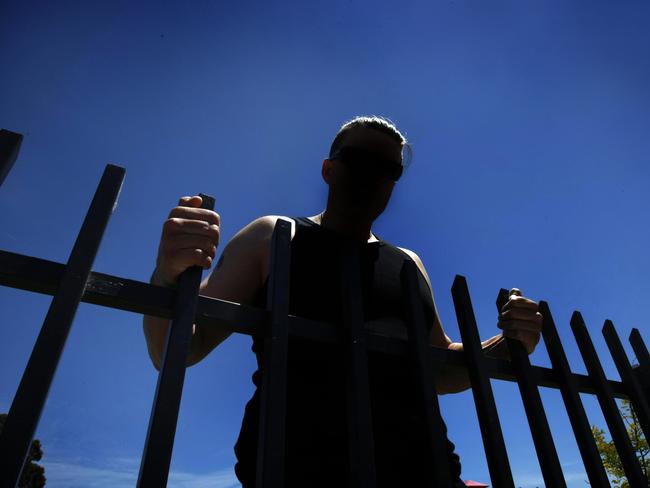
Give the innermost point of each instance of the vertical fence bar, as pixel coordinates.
(493, 443)
(571, 396)
(420, 355)
(634, 390)
(642, 371)
(157, 453)
(360, 435)
(542, 438)
(27, 405)
(631, 465)
(271, 441)
(9, 147)
(639, 348)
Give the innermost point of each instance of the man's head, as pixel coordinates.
(379, 124)
(366, 159)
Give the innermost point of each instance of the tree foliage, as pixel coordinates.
(608, 452)
(33, 475)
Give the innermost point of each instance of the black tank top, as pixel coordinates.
(316, 435)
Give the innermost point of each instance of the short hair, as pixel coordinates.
(381, 124)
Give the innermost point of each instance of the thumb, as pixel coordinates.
(516, 292)
(193, 201)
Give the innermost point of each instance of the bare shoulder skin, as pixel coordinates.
(238, 275)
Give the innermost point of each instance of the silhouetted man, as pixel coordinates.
(364, 164)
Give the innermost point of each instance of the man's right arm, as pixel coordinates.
(237, 277)
(190, 236)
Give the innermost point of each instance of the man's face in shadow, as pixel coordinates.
(362, 191)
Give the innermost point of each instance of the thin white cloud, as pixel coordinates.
(123, 473)
(535, 479)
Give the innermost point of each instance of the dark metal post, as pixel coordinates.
(9, 147)
(362, 447)
(273, 401)
(423, 368)
(638, 399)
(642, 370)
(493, 443)
(568, 386)
(630, 463)
(640, 348)
(34, 386)
(156, 457)
(542, 438)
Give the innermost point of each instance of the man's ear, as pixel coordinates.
(326, 171)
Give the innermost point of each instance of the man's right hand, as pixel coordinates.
(190, 237)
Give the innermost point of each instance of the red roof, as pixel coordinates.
(476, 484)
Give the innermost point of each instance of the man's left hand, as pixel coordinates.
(519, 319)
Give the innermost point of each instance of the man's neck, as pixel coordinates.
(358, 230)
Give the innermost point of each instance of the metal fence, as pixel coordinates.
(75, 281)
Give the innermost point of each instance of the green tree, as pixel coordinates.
(33, 475)
(608, 452)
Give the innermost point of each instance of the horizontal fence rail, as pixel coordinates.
(74, 282)
(43, 276)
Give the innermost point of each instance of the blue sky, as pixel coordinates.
(529, 125)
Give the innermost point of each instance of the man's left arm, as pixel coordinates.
(519, 319)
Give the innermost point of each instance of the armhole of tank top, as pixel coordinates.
(418, 268)
(261, 297)
(297, 222)
(304, 221)
(433, 299)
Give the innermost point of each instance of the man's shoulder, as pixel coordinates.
(409, 253)
(261, 229)
(271, 219)
(412, 255)
(418, 262)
